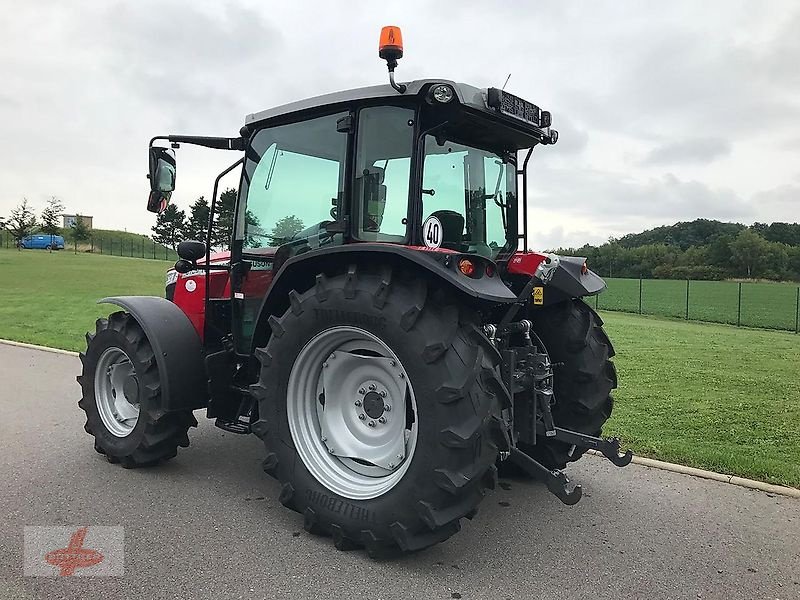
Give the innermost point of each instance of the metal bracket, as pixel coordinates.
(608, 447)
(556, 481)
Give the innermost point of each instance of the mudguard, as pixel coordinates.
(177, 347)
(557, 277)
(443, 265)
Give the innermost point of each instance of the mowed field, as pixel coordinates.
(705, 395)
(764, 304)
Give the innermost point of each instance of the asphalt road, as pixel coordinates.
(208, 523)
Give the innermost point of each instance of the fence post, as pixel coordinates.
(154, 249)
(687, 299)
(596, 301)
(739, 309)
(640, 294)
(797, 312)
(92, 240)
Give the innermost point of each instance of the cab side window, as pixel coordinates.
(295, 179)
(382, 173)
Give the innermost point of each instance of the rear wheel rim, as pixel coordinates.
(352, 412)
(116, 392)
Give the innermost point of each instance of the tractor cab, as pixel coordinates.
(430, 165)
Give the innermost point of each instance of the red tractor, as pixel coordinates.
(374, 321)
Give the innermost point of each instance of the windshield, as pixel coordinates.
(471, 191)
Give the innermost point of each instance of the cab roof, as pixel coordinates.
(467, 94)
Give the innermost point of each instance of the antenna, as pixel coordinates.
(506, 83)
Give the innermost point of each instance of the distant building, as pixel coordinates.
(69, 220)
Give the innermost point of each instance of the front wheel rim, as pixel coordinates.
(116, 392)
(352, 412)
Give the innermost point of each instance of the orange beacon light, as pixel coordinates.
(390, 47)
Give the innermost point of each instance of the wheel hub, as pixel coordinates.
(373, 405)
(116, 391)
(352, 412)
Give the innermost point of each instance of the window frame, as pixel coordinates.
(411, 203)
(238, 248)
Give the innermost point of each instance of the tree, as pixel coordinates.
(749, 251)
(169, 227)
(225, 213)
(197, 223)
(285, 229)
(50, 216)
(79, 232)
(21, 222)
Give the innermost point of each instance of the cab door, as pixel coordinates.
(292, 200)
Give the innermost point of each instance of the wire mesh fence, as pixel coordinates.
(133, 246)
(743, 303)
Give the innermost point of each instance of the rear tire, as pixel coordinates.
(119, 379)
(455, 402)
(573, 336)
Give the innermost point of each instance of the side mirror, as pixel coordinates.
(191, 250)
(162, 178)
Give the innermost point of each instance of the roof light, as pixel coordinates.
(390, 46)
(390, 49)
(442, 93)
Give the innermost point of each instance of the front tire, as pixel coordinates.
(121, 396)
(384, 329)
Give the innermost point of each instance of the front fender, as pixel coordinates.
(177, 348)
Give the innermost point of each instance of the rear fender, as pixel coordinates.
(558, 277)
(177, 347)
(299, 273)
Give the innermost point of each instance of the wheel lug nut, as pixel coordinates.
(391, 465)
(383, 393)
(382, 420)
(324, 439)
(387, 407)
(393, 362)
(357, 402)
(362, 416)
(372, 386)
(362, 391)
(332, 450)
(402, 375)
(324, 364)
(371, 423)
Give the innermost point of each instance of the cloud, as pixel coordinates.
(688, 151)
(781, 203)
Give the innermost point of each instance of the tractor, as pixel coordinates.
(377, 319)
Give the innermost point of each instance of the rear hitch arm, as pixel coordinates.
(555, 480)
(608, 447)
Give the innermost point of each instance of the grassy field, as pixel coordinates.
(50, 298)
(705, 395)
(767, 305)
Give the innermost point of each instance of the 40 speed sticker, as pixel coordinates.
(432, 232)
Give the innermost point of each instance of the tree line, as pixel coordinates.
(23, 221)
(700, 249)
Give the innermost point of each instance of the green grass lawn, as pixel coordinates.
(51, 298)
(705, 395)
(709, 396)
(764, 304)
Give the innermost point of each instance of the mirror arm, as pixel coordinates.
(219, 143)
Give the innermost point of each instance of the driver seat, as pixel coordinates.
(452, 229)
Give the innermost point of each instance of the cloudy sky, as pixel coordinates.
(667, 110)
